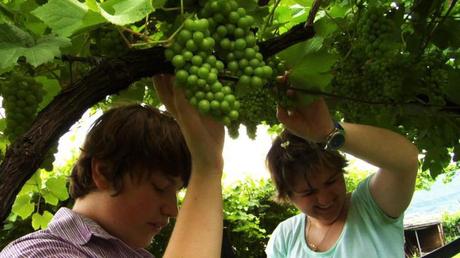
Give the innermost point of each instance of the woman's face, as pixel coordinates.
(320, 194)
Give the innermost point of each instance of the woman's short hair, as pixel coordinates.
(290, 154)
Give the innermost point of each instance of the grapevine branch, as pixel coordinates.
(433, 30)
(90, 60)
(312, 14)
(364, 101)
(298, 33)
(109, 76)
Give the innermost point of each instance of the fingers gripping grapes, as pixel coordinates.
(218, 64)
(204, 135)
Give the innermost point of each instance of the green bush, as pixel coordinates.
(251, 215)
(450, 225)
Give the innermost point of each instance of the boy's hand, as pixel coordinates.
(204, 136)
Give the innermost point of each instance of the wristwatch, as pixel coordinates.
(336, 138)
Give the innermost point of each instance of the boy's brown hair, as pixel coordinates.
(136, 140)
(291, 154)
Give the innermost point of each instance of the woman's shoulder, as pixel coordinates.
(292, 222)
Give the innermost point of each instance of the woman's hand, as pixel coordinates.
(204, 136)
(312, 122)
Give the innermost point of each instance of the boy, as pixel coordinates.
(134, 161)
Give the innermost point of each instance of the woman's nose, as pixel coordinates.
(325, 198)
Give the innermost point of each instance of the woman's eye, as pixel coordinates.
(307, 194)
(331, 182)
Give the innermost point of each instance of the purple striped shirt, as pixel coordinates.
(71, 235)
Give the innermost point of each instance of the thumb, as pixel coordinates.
(283, 114)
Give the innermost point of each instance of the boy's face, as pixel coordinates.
(142, 208)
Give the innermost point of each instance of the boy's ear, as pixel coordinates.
(98, 170)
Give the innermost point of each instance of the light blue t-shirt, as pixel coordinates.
(368, 232)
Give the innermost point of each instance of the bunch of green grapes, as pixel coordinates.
(370, 72)
(259, 105)
(385, 74)
(197, 70)
(359, 83)
(373, 30)
(230, 26)
(21, 97)
(434, 76)
(108, 42)
(48, 161)
(218, 63)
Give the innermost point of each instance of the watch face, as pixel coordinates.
(337, 141)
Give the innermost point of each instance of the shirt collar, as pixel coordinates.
(76, 228)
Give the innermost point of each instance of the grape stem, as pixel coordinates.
(433, 30)
(170, 9)
(141, 35)
(165, 42)
(297, 33)
(270, 17)
(90, 59)
(312, 14)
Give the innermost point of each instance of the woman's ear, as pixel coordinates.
(98, 171)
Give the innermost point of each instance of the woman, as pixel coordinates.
(308, 171)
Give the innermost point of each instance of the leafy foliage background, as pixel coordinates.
(90, 54)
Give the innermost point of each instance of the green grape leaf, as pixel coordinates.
(303, 3)
(41, 221)
(423, 8)
(451, 89)
(9, 33)
(32, 185)
(313, 73)
(134, 93)
(65, 17)
(324, 27)
(52, 88)
(122, 12)
(2, 124)
(158, 3)
(283, 14)
(296, 53)
(22, 206)
(249, 6)
(57, 186)
(92, 5)
(21, 44)
(151, 97)
(446, 34)
(49, 197)
(339, 10)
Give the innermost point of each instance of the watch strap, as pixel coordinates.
(336, 138)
